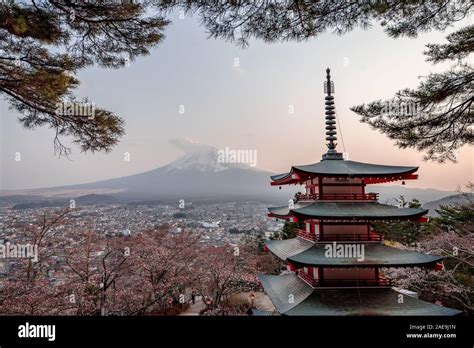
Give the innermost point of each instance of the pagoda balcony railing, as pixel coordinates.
(340, 237)
(305, 235)
(338, 196)
(373, 237)
(307, 278)
(381, 282)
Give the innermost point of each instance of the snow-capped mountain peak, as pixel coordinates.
(204, 158)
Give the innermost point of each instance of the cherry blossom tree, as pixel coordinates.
(27, 289)
(452, 237)
(223, 271)
(86, 273)
(79, 271)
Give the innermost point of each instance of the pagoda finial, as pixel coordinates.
(330, 119)
(328, 85)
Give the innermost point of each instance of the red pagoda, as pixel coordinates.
(335, 263)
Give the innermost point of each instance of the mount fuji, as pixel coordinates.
(197, 174)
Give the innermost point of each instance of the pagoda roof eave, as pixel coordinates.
(343, 168)
(374, 255)
(284, 212)
(345, 211)
(308, 301)
(283, 249)
(366, 302)
(279, 287)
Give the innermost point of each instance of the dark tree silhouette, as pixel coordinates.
(272, 21)
(44, 43)
(436, 117)
(443, 102)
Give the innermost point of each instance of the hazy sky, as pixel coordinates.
(243, 107)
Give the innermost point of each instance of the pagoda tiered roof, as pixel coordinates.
(279, 288)
(375, 255)
(286, 248)
(301, 253)
(345, 169)
(329, 302)
(341, 210)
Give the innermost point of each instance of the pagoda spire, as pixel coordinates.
(330, 119)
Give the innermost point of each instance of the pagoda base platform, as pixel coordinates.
(292, 296)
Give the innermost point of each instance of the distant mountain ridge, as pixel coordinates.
(390, 194)
(198, 174)
(41, 202)
(458, 199)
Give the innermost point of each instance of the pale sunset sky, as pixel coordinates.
(244, 107)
